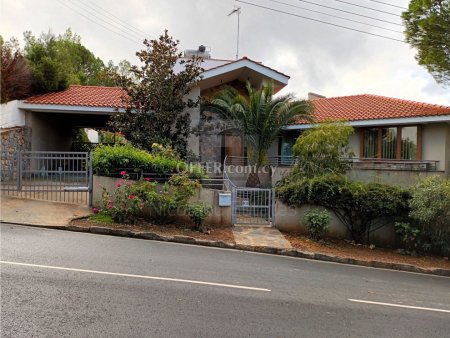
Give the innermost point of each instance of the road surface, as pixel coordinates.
(66, 284)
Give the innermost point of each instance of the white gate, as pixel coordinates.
(253, 206)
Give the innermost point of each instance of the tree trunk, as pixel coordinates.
(253, 179)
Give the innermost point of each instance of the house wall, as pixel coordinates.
(11, 115)
(435, 144)
(221, 216)
(50, 132)
(354, 143)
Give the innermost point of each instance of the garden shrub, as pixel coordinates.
(198, 212)
(429, 216)
(320, 150)
(162, 160)
(409, 235)
(317, 223)
(123, 205)
(172, 196)
(108, 159)
(362, 207)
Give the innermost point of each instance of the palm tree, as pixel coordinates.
(260, 117)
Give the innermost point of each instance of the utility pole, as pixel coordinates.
(237, 10)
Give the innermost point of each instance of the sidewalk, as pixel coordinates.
(36, 212)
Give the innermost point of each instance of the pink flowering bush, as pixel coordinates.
(122, 205)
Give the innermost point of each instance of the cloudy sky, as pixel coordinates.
(319, 58)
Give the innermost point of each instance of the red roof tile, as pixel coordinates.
(371, 107)
(90, 96)
(349, 108)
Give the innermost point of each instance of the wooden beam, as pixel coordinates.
(380, 145)
(419, 142)
(398, 155)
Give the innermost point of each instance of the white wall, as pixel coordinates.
(354, 143)
(434, 141)
(11, 115)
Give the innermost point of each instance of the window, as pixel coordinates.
(370, 143)
(389, 143)
(400, 143)
(409, 143)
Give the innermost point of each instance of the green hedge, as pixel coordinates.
(361, 207)
(109, 159)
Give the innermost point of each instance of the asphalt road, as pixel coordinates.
(66, 284)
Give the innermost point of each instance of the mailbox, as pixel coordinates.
(224, 199)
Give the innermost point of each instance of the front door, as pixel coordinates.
(232, 145)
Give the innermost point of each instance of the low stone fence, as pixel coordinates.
(221, 216)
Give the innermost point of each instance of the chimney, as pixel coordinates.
(314, 96)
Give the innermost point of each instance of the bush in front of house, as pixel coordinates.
(126, 202)
(427, 228)
(362, 207)
(317, 223)
(168, 198)
(122, 205)
(108, 159)
(321, 149)
(198, 212)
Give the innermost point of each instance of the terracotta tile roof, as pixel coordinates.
(371, 107)
(90, 96)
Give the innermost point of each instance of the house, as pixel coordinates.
(395, 140)
(46, 121)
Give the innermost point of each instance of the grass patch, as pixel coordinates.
(101, 217)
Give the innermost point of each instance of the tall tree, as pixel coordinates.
(16, 76)
(156, 102)
(427, 28)
(260, 117)
(58, 61)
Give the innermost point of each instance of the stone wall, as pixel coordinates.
(13, 140)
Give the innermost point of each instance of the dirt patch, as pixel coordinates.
(215, 234)
(345, 249)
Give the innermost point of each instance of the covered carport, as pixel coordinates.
(52, 117)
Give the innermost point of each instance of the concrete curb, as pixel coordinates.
(220, 244)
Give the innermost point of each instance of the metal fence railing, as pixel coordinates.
(54, 176)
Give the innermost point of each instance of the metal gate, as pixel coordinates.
(253, 206)
(52, 176)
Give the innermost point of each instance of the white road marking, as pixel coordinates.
(399, 305)
(138, 276)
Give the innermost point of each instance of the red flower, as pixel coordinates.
(147, 179)
(95, 210)
(118, 185)
(131, 196)
(123, 173)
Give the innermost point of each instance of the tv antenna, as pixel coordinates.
(236, 10)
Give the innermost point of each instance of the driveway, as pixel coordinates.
(57, 283)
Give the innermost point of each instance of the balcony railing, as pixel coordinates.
(370, 163)
(386, 164)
